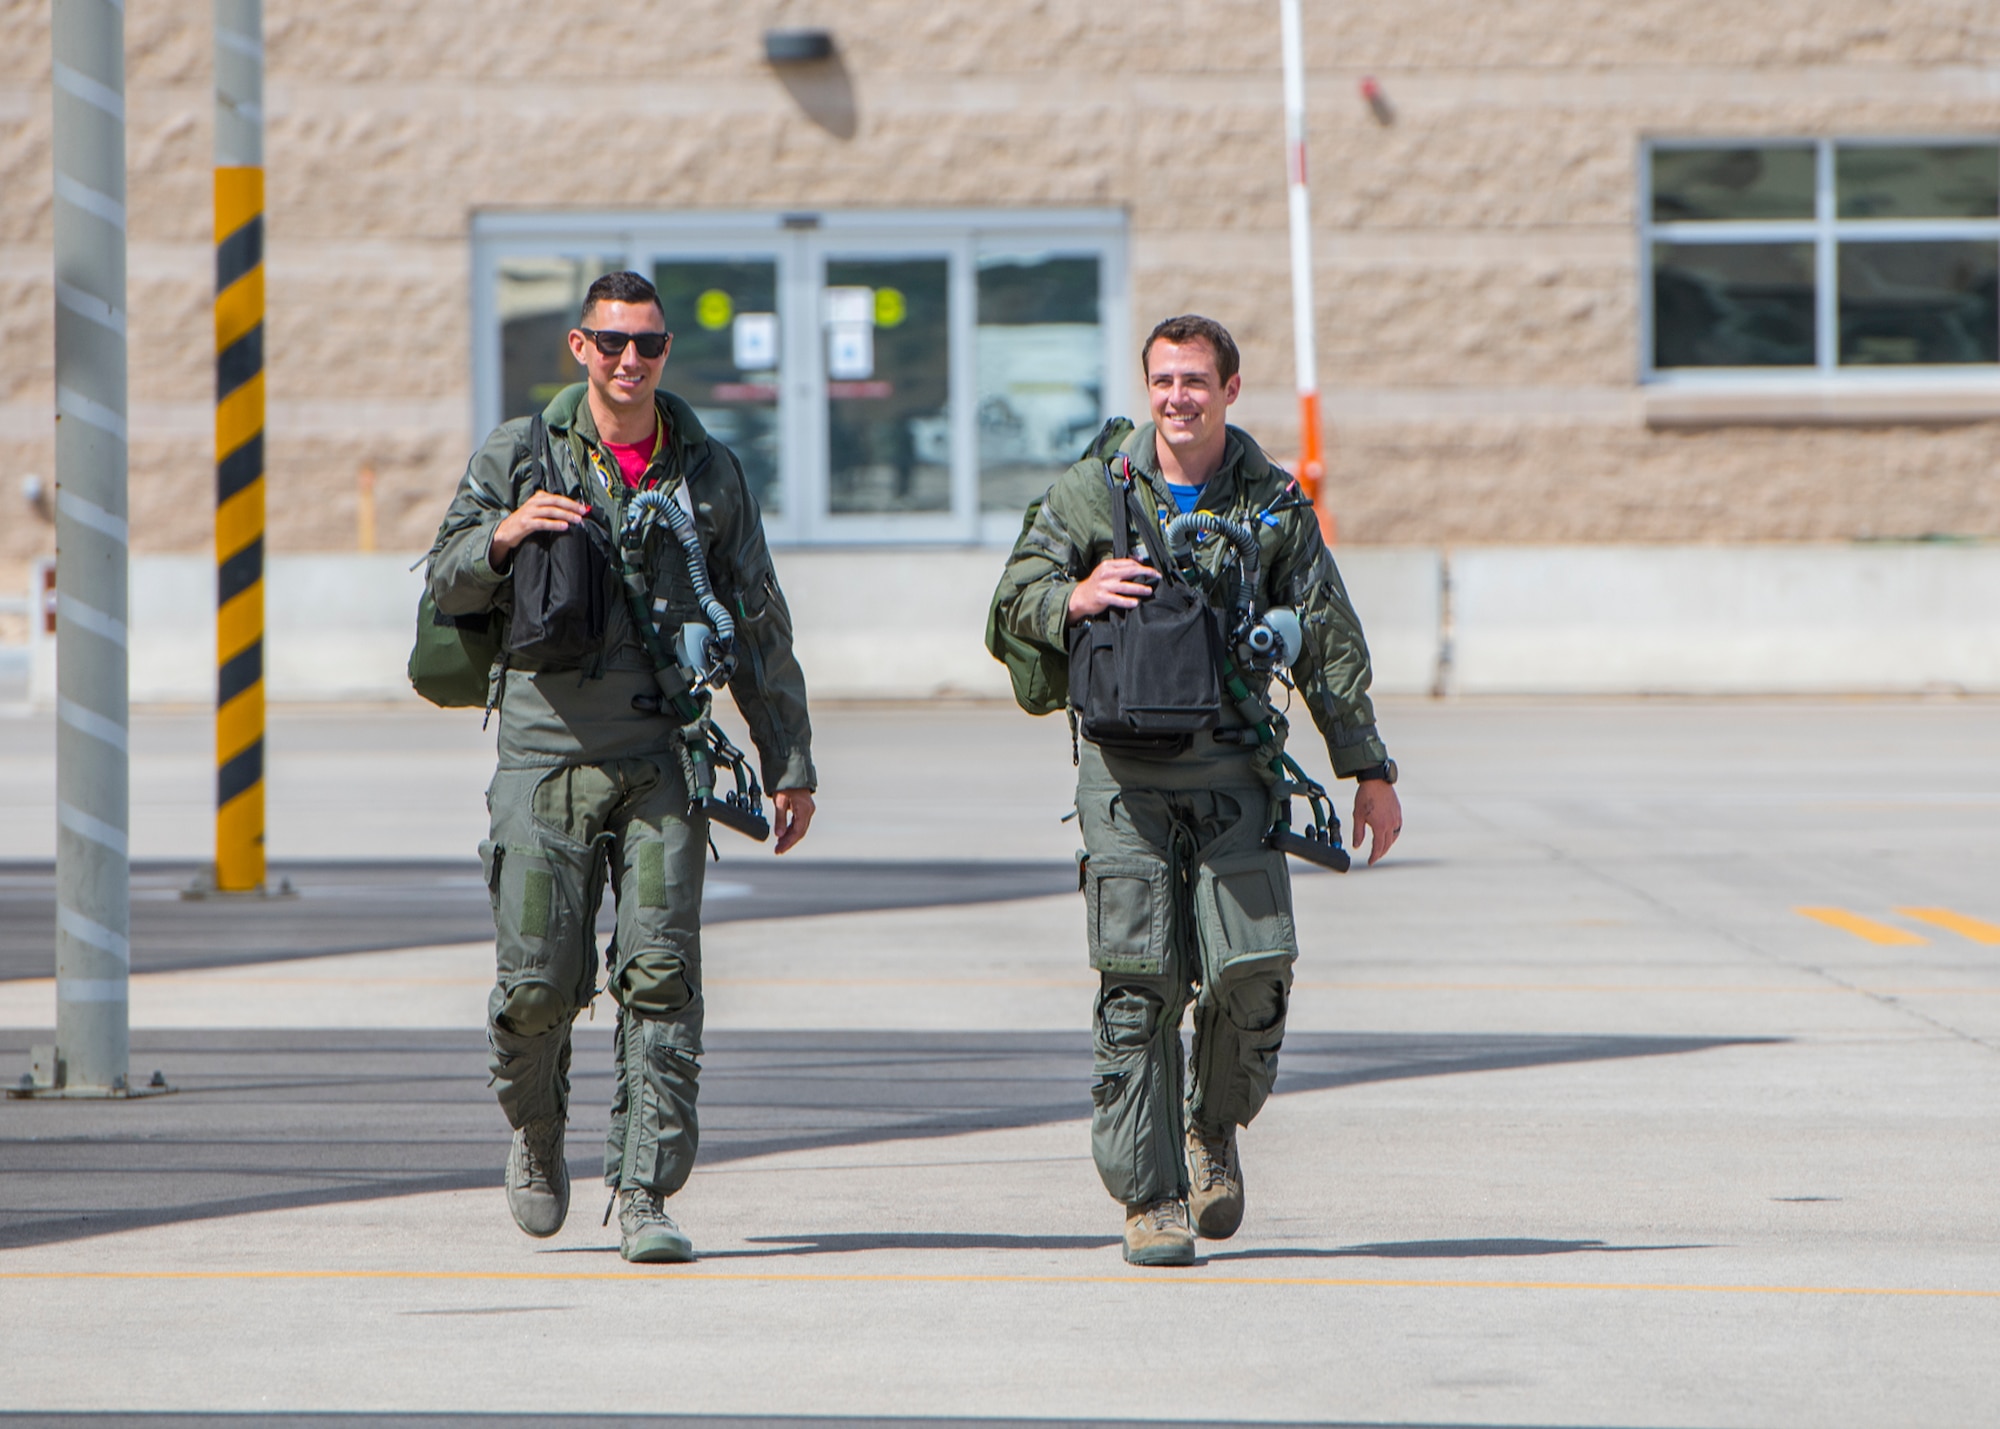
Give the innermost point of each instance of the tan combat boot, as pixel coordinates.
(1158, 1234)
(538, 1177)
(646, 1233)
(1215, 1176)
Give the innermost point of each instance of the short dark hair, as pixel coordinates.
(621, 288)
(1192, 327)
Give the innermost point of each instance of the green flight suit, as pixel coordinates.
(1183, 901)
(590, 783)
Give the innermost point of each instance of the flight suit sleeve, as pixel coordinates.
(768, 687)
(1032, 598)
(1332, 671)
(461, 581)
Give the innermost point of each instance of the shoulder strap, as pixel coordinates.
(539, 453)
(1121, 544)
(1125, 494)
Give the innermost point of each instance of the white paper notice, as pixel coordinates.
(850, 351)
(754, 341)
(850, 305)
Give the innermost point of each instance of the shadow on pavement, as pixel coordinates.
(371, 907)
(281, 1120)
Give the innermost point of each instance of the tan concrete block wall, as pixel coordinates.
(1532, 481)
(1475, 258)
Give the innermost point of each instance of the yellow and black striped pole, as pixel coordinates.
(239, 446)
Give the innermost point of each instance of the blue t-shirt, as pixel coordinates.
(1186, 496)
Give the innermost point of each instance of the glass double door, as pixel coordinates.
(891, 382)
(831, 375)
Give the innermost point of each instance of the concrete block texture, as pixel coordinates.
(1476, 266)
(1576, 478)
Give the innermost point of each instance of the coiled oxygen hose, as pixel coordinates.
(1241, 537)
(658, 505)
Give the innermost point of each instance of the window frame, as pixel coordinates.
(800, 242)
(1826, 232)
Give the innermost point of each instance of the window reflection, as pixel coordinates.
(539, 301)
(724, 318)
(1936, 181)
(1740, 183)
(1041, 371)
(888, 367)
(1919, 303)
(1733, 305)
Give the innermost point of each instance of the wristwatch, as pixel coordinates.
(1385, 771)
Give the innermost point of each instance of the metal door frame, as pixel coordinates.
(800, 244)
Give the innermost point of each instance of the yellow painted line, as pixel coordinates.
(1537, 988)
(1191, 1277)
(1976, 929)
(1651, 989)
(1866, 929)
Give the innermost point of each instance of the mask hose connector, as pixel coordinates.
(1179, 541)
(655, 506)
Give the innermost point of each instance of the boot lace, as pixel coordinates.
(639, 1206)
(1211, 1161)
(539, 1141)
(1165, 1216)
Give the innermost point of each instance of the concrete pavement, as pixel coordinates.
(1583, 1120)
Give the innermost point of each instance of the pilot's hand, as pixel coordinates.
(1117, 584)
(1378, 813)
(792, 815)
(544, 511)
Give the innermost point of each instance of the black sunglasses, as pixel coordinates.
(650, 344)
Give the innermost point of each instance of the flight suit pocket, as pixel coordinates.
(528, 911)
(1244, 904)
(1127, 909)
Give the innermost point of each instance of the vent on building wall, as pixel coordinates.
(796, 47)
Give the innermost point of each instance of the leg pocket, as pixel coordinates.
(1135, 1133)
(1238, 1030)
(1243, 903)
(1128, 914)
(530, 911)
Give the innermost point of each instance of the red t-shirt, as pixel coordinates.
(634, 457)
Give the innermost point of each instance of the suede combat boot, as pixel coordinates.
(538, 1177)
(646, 1232)
(1158, 1234)
(1215, 1176)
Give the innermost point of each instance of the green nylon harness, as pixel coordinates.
(1279, 772)
(700, 745)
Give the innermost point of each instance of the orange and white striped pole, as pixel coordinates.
(1312, 459)
(239, 446)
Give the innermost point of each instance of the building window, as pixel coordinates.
(1041, 354)
(1823, 257)
(883, 376)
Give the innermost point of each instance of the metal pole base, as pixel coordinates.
(204, 887)
(45, 1082)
